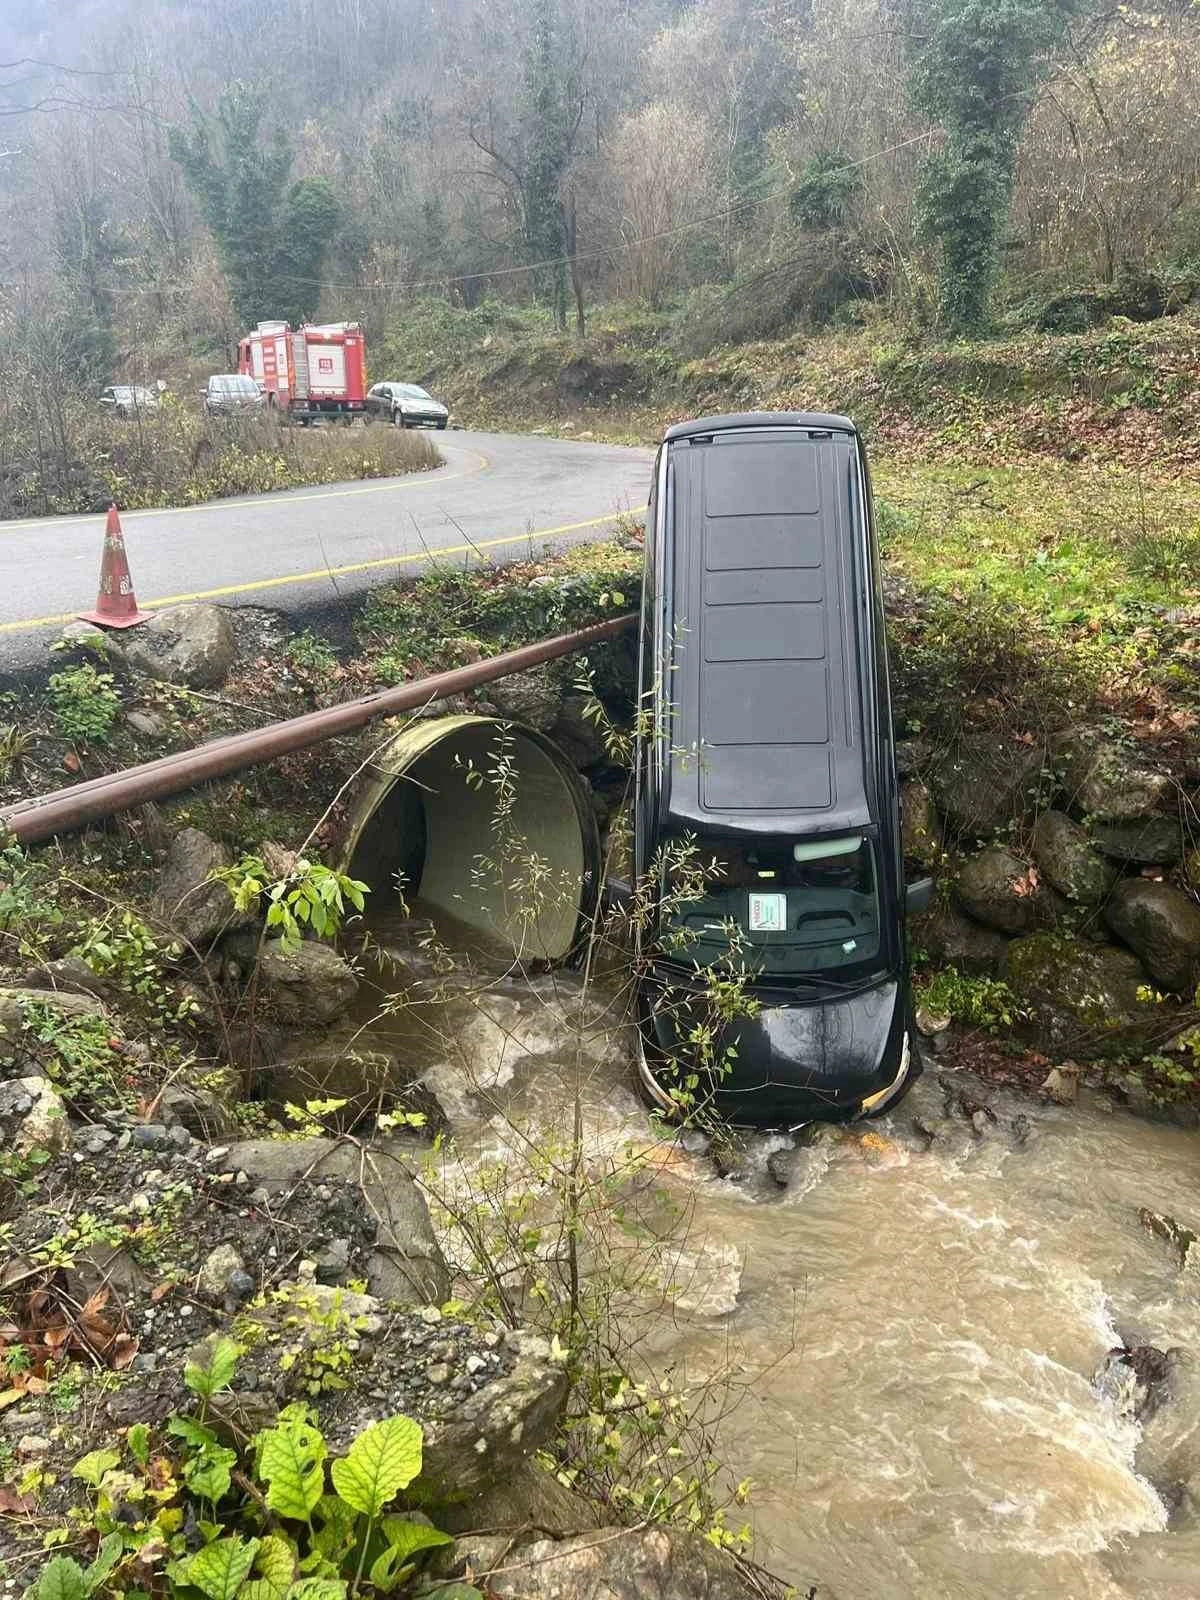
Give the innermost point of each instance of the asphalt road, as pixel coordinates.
(497, 496)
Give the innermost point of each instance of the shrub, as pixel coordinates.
(84, 704)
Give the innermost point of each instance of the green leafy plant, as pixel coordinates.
(277, 1520)
(84, 704)
(122, 948)
(79, 1055)
(310, 898)
(975, 1002)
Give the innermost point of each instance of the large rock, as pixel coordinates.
(1107, 780)
(407, 1265)
(13, 1003)
(918, 822)
(580, 738)
(998, 890)
(1162, 924)
(1149, 841)
(1068, 859)
(187, 900)
(984, 785)
(951, 937)
(532, 697)
(619, 1564)
(1082, 999)
(32, 1117)
(486, 1439)
(192, 645)
(309, 983)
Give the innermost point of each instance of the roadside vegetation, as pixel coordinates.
(174, 456)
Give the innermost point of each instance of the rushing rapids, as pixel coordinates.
(912, 1323)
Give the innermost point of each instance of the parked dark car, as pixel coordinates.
(769, 758)
(230, 392)
(407, 405)
(127, 399)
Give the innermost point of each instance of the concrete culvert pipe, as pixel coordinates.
(485, 820)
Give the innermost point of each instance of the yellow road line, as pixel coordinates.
(413, 480)
(396, 561)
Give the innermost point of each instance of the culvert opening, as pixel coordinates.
(485, 824)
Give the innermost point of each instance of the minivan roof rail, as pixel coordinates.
(760, 419)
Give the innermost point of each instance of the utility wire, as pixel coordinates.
(608, 250)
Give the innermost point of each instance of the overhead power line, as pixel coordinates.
(624, 247)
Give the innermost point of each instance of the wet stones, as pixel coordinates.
(1149, 841)
(533, 697)
(187, 900)
(1082, 999)
(982, 785)
(1160, 923)
(405, 1265)
(220, 1267)
(998, 890)
(1104, 779)
(1069, 860)
(950, 936)
(308, 984)
(618, 1564)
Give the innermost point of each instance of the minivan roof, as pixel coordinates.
(821, 420)
(767, 574)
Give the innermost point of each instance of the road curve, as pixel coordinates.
(497, 496)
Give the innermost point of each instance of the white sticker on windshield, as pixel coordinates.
(768, 913)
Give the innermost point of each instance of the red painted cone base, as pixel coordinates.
(116, 603)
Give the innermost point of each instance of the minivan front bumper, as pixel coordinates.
(831, 1060)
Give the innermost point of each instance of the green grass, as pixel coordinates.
(1080, 547)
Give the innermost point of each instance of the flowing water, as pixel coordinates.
(915, 1323)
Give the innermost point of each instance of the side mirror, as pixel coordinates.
(918, 896)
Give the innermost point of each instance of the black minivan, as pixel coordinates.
(765, 755)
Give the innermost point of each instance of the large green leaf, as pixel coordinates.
(208, 1377)
(62, 1579)
(291, 1462)
(110, 1552)
(91, 1468)
(275, 1569)
(409, 1537)
(220, 1568)
(384, 1459)
(318, 1589)
(209, 1474)
(402, 1540)
(334, 1526)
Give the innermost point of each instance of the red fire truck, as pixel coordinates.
(310, 371)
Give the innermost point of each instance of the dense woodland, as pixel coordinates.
(171, 169)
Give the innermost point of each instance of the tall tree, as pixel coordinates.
(976, 72)
(272, 237)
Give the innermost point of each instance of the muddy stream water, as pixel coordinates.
(914, 1323)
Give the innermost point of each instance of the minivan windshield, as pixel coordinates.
(782, 907)
(233, 385)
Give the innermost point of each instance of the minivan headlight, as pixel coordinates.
(881, 1096)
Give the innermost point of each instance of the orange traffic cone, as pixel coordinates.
(116, 603)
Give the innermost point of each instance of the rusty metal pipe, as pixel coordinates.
(81, 803)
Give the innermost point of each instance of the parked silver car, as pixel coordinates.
(232, 391)
(407, 405)
(127, 399)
